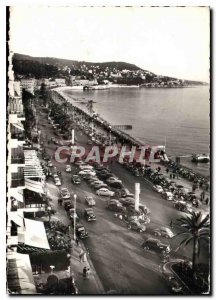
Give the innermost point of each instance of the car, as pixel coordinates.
(98, 186)
(76, 179)
(126, 201)
(87, 172)
(135, 225)
(95, 182)
(104, 192)
(90, 201)
(182, 206)
(116, 185)
(71, 214)
(89, 214)
(81, 231)
(167, 196)
(57, 181)
(175, 286)
(68, 205)
(85, 167)
(113, 179)
(68, 168)
(156, 246)
(165, 232)
(49, 163)
(115, 205)
(64, 193)
(158, 188)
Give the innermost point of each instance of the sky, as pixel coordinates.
(172, 41)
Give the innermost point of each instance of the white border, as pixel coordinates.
(3, 5)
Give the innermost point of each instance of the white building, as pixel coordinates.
(29, 85)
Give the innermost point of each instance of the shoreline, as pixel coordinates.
(107, 125)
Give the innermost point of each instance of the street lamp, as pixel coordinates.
(110, 135)
(75, 197)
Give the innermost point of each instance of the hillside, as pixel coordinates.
(60, 62)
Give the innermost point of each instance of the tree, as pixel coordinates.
(196, 228)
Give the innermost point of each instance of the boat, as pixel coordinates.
(203, 158)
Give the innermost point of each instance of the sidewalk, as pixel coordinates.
(86, 286)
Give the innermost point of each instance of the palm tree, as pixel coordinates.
(196, 228)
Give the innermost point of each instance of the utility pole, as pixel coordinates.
(72, 139)
(137, 193)
(75, 197)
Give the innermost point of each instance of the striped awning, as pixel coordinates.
(34, 186)
(32, 168)
(18, 125)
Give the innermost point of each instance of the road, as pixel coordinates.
(116, 253)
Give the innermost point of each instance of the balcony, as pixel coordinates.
(17, 182)
(18, 160)
(18, 136)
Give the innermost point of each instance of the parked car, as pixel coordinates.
(90, 201)
(182, 206)
(68, 168)
(71, 214)
(87, 172)
(64, 193)
(81, 231)
(156, 246)
(167, 196)
(104, 192)
(95, 182)
(49, 163)
(98, 186)
(89, 214)
(116, 185)
(165, 232)
(116, 206)
(85, 167)
(135, 225)
(126, 201)
(76, 179)
(68, 205)
(57, 181)
(158, 188)
(113, 179)
(175, 286)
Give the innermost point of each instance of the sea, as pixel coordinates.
(176, 117)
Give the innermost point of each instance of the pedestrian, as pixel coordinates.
(60, 201)
(88, 272)
(167, 170)
(207, 201)
(77, 241)
(171, 224)
(173, 175)
(85, 272)
(170, 175)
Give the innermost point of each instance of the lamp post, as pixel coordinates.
(75, 197)
(110, 135)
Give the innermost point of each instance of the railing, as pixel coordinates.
(19, 137)
(18, 160)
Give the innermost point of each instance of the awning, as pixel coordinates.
(35, 186)
(17, 218)
(17, 194)
(18, 125)
(34, 234)
(19, 274)
(32, 168)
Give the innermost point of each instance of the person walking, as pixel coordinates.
(167, 170)
(77, 241)
(171, 224)
(85, 272)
